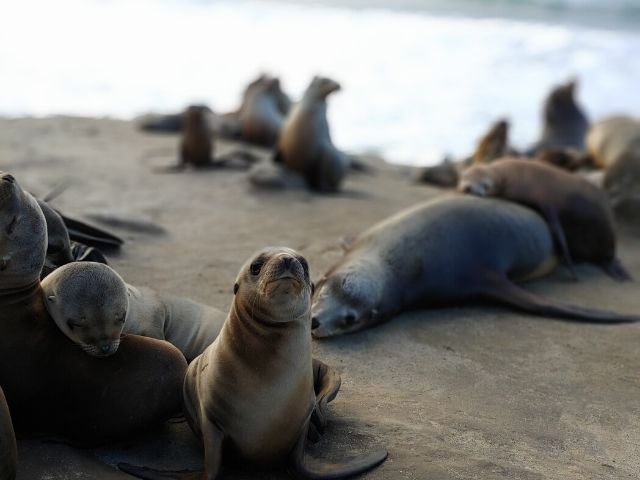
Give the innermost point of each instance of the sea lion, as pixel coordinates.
(568, 159)
(263, 111)
(305, 144)
(51, 386)
(8, 449)
(58, 242)
(577, 212)
(614, 145)
(196, 146)
(565, 123)
(494, 144)
(443, 175)
(252, 391)
(93, 306)
(443, 251)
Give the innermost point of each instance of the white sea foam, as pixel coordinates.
(415, 85)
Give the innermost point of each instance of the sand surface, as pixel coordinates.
(458, 393)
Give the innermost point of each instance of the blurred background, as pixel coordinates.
(420, 78)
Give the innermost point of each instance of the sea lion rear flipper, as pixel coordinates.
(616, 270)
(558, 233)
(326, 383)
(497, 287)
(332, 470)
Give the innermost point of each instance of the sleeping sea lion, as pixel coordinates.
(8, 449)
(565, 123)
(443, 252)
(251, 393)
(305, 144)
(577, 211)
(93, 306)
(51, 386)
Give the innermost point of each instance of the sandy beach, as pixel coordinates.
(473, 391)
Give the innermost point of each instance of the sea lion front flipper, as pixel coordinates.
(616, 270)
(82, 232)
(496, 286)
(558, 233)
(333, 470)
(326, 383)
(150, 474)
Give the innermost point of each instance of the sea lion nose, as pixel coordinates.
(314, 323)
(286, 262)
(9, 178)
(105, 349)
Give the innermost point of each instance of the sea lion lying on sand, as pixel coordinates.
(442, 252)
(51, 386)
(251, 393)
(577, 212)
(93, 306)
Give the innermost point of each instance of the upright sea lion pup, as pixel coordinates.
(494, 144)
(565, 124)
(93, 306)
(196, 147)
(8, 449)
(252, 390)
(442, 252)
(305, 144)
(51, 386)
(577, 211)
(614, 145)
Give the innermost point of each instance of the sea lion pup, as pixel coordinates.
(196, 146)
(93, 306)
(51, 386)
(443, 252)
(262, 112)
(494, 144)
(577, 212)
(614, 145)
(444, 174)
(565, 124)
(305, 144)
(252, 390)
(8, 449)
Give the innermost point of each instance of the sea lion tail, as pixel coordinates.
(503, 290)
(150, 474)
(343, 469)
(616, 270)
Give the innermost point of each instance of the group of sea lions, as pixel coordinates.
(87, 358)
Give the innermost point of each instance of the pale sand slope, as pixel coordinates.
(459, 393)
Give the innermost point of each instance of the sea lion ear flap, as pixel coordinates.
(236, 287)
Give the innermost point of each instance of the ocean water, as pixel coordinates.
(420, 78)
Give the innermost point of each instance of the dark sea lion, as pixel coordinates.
(305, 144)
(442, 252)
(443, 175)
(565, 123)
(51, 386)
(196, 147)
(8, 449)
(165, 123)
(251, 393)
(614, 145)
(103, 308)
(577, 211)
(568, 159)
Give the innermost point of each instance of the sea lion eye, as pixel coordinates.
(73, 324)
(349, 319)
(121, 319)
(256, 267)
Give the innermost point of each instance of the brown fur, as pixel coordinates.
(196, 148)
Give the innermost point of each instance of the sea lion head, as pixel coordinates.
(195, 118)
(89, 303)
(23, 235)
(274, 286)
(494, 144)
(478, 180)
(320, 88)
(346, 300)
(561, 103)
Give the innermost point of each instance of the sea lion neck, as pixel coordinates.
(25, 294)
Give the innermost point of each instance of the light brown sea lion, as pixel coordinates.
(51, 386)
(305, 144)
(8, 449)
(251, 393)
(494, 144)
(577, 211)
(614, 145)
(442, 252)
(565, 124)
(196, 146)
(93, 306)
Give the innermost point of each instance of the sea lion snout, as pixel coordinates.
(7, 177)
